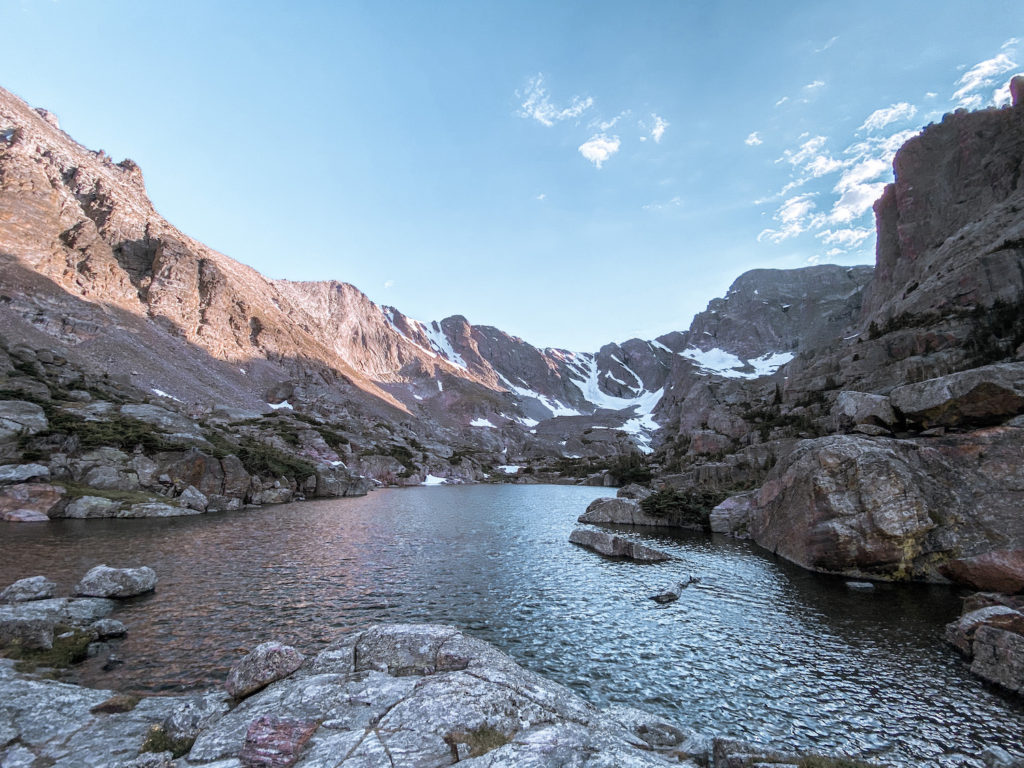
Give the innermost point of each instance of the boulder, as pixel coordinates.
(266, 663)
(276, 741)
(633, 491)
(960, 633)
(995, 571)
(861, 408)
(19, 417)
(168, 421)
(732, 516)
(31, 588)
(109, 478)
(894, 509)
(611, 545)
(20, 473)
(104, 581)
(30, 500)
(999, 655)
(107, 628)
(624, 511)
(32, 631)
(706, 442)
(85, 507)
(981, 396)
(193, 498)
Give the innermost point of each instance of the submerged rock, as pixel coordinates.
(672, 591)
(610, 545)
(104, 581)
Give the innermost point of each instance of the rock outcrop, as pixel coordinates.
(610, 545)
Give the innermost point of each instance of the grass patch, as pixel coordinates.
(265, 460)
(690, 507)
(222, 445)
(116, 431)
(334, 439)
(66, 651)
(77, 491)
(158, 740)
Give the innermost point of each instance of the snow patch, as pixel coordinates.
(279, 406)
(432, 480)
(508, 469)
(161, 393)
(726, 364)
(482, 423)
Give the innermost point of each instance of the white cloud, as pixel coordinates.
(931, 95)
(541, 196)
(753, 140)
(389, 283)
(796, 215)
(597, 149)
(537, 105)
(660, 124)
(855, 201)
(675, 202)
(782, 101)
(850, 237)
(981, 76)
(827, 45)
(814, 85)
(891, 114)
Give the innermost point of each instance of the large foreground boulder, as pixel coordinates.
(104, 581)
(899, 509)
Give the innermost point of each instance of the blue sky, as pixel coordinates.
(573, 173)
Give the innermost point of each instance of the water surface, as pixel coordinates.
(759, 649)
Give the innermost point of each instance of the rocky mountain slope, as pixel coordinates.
(99, 294)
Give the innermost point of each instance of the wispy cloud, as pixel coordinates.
(660, 124)
(389, 283)
(829, 44)
(782, 101)
(894, 113)
(597, 149)
(848, 238)
(795, 216)
(541, 196)
(753, 140)
(675, 202)
(537, 104)
(984, 75)
(815, 85)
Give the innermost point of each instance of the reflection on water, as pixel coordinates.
(758, 649)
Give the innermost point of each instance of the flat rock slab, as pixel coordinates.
(275, 742)
(610, 545)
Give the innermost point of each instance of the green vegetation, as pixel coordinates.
(692, 507)
(68, 650)
(334, 439)
(116, 431)
(222, 445)
(158, 740)
(631, 468)
(769, 419)
(77, 490)
(996, 332)
(267, 461)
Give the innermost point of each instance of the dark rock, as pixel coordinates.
(104, 581)
(107, 628)
(999, 655)
(266, 663)
(672, 591)
(611, 545)
(732, 516)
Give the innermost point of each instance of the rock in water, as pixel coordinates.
(104, 581)
(266, 663)
(32, 588)
(672, 592)
(611, 545)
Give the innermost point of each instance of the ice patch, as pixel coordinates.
(481, 423)
(161, 393)
(508, 469)
(432, 480)
(279, 406)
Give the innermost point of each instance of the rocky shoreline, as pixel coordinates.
(390, 695)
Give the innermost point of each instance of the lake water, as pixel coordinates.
(758, 649)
